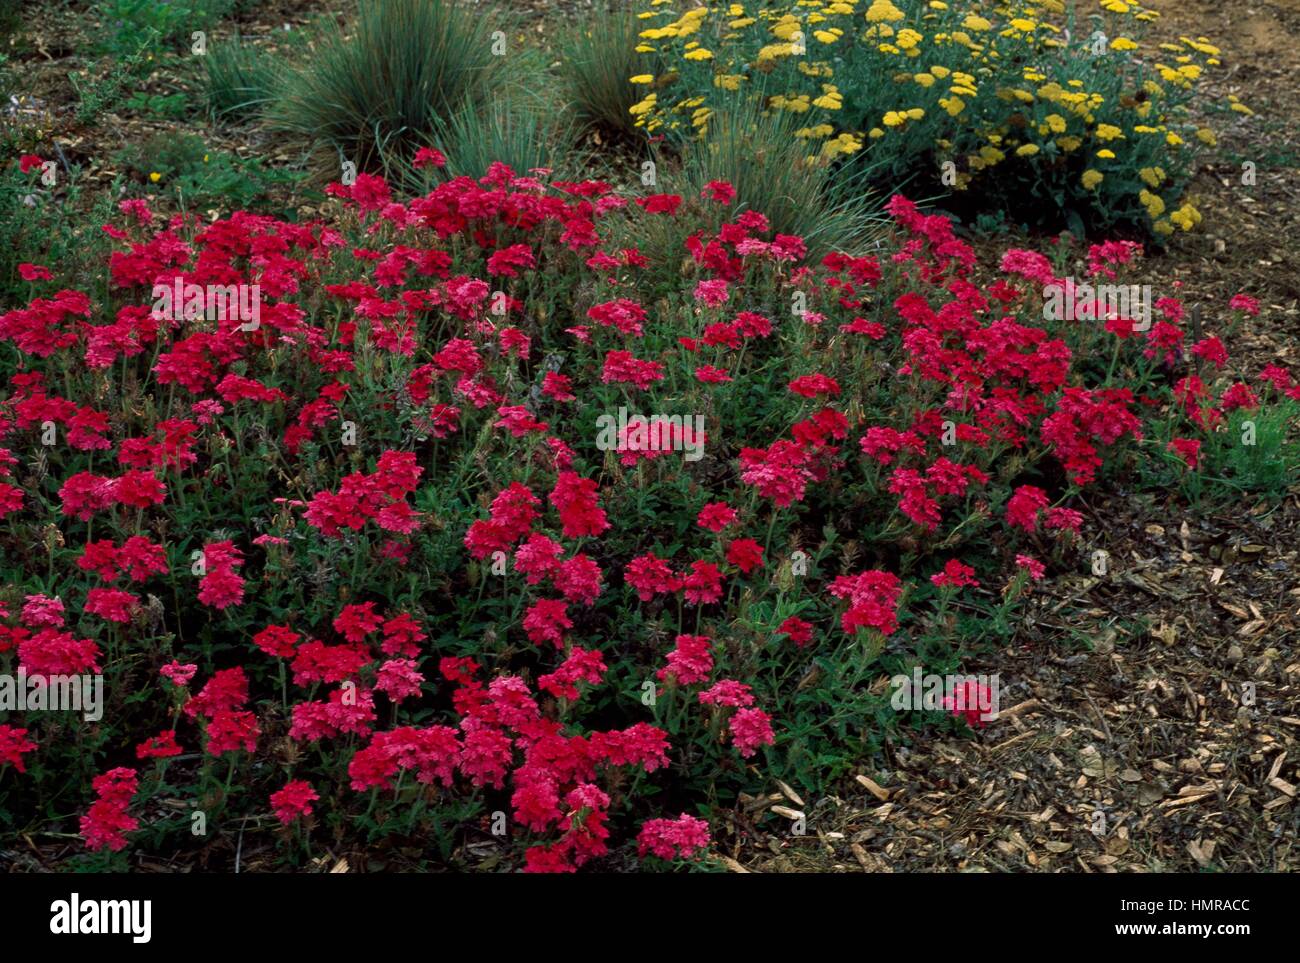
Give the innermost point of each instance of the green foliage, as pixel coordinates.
(597, 59)
(1254, 453)
(166, 106)
(372, 96)
(195, 176)
(10, 18)
(515, 134)
(756, 153)
(240, 78)
(38, 226)
(156, 25)
(106, 82)
(1257, 451)
(6, 81)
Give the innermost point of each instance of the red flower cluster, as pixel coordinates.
(379, 496)
(14, 744)
(873, 601)
(107, 822)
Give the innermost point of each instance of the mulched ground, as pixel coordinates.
(1150, 716)
(1128, 695)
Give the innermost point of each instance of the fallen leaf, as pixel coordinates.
(874, 788)
(790, 794)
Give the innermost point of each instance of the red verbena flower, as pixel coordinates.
(955, 574)
(13, 745)
(293, 801)
(680, 838)
(690, 662)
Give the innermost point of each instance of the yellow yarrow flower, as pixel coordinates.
(1026, 150)
(642, 79)
(815, 70)
(786, 28)
(774, 50)
(643, 106)
(830, 98)
(1108, 132)
(1154, 204)
(883, 10)
(1201, 45)
(1170, 76)
(953, 105)
(843, 144)
(1091, 178)
(1186, 217)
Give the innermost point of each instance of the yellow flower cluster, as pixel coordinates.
(988, 81)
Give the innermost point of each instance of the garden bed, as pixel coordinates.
(348, 502)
